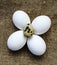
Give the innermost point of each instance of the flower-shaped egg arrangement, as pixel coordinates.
(29, 33)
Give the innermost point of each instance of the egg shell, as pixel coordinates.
(16, 41)
(36, 45)
(41, 24)
(20, 19)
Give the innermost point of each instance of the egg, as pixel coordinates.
(41, 24)
(20, 19)
(16, 41)
(28, 30)
(36, 45)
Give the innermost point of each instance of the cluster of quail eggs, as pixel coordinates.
(29, 32)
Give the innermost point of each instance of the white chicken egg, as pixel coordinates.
(16, 41)
(36, 45)
(20, 19)
(41, 24)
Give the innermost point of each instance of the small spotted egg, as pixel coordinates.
(28, 30)
(36, 45)
(16, 41)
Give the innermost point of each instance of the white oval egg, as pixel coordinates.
(36, 45)
(20, 19)
(16, 41)
(41, 24)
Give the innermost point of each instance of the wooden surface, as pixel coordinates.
(33, 8)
